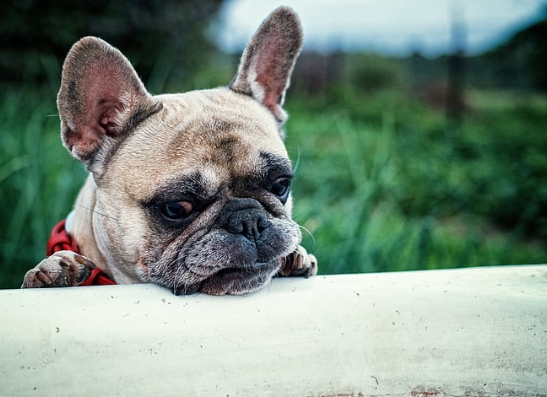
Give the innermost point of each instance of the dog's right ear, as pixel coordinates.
(100, 101)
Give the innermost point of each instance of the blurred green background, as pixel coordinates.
(402, 163)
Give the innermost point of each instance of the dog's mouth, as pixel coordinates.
(234, 281)
(188, 289)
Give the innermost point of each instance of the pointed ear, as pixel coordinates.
(100, 101)
(268, 60)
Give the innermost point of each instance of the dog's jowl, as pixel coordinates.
(189, 191)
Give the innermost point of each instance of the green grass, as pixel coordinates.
(381, 184)
(38, 180)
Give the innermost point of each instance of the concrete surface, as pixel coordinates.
(473, 332)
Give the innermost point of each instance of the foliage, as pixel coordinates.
(530, 45)
(162, 38)
(398, 191)
(38, 179)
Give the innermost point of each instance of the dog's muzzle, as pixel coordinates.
(239, 254)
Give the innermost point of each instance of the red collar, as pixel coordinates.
(60, 240)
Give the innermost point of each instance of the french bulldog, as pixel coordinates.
(189, 191)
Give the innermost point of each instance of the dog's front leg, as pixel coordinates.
(299, 264)
(62, 269)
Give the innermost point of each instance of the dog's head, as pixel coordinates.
(192, 190)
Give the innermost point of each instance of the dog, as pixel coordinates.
(189, 191)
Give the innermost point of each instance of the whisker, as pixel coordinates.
(305, 229)
(297, 161)
(96, 212)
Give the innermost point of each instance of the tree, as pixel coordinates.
(529, 44)
(168, 34)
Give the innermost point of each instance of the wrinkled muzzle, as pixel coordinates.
(240, 253)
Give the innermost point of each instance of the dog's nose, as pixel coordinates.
(245, 217)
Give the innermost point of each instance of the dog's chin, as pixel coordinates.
(232, 281)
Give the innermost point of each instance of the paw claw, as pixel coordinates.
(43, 278)
(299, 263)
(62, 269)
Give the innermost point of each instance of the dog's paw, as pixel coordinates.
(62, 269)
(299, 264)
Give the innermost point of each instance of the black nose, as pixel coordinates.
(245, 217)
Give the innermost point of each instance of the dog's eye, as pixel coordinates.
(176, 210)
(281, 188)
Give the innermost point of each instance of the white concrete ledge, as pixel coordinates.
(474, 332)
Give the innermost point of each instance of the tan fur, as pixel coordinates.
(217, 152)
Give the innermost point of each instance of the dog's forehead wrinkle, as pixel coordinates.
(276, 162)
(218, 108)
(202, 183)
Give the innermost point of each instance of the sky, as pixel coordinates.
(390, 27)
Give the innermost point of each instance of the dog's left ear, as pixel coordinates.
(268, 60)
